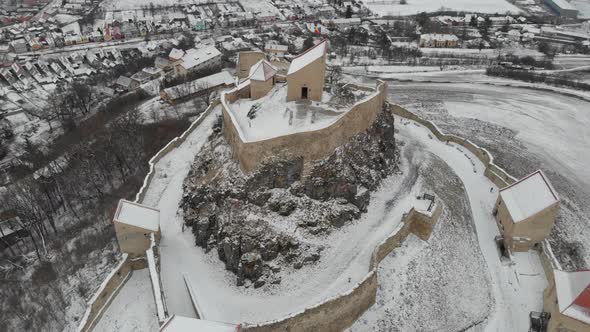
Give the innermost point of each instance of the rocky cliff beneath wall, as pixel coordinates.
(272, 218)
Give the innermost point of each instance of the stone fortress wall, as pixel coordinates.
(312, 145)
(339, 312)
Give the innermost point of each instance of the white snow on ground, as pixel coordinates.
(530, 115)
(275, 117)
(517, 289)
(413, 7)
(133, 308)
(344, 262)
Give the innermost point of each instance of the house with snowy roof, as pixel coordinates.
(198, 59)
(567, 299)
(305, 78)
(134, 223)
(525, 211)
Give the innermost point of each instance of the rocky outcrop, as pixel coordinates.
(265, 222)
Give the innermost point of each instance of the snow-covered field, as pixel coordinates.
(413, 7)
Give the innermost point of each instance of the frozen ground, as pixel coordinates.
(133, 309)
(525, 130)
(413, 7)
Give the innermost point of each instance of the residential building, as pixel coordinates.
(563, 8)
(305, 78)
(126, 84)
(439, 40)
(198, 59)
(277, 50)
(197, 87)
(525, 211)
(19, 45)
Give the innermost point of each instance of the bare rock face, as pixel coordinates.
(239, 215)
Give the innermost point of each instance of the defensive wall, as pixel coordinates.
(311, 145)
(109, 288)
(341, 311)
(493, 172)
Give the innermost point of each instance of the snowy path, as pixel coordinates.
(133, 308)
(344, 261)
(516, 289)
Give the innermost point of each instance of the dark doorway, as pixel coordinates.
(304, 93)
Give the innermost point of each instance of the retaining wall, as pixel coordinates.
(311, 145)
(341, 311)
(173, 144)
(106, 293)
(496, 174)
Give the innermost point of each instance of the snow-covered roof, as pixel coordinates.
(195, 57)
(436, 36)
(573, 294)
(138, 215)
(528, 196)
(563, 4)
(185, 324)
(124, 81)
(176, 54)
(308, 57)
(262, 71)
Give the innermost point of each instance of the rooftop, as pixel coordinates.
(200, 84)
(195, 57)
(262, 71)
(138, 215)
(573, 294)
(528, 196)
(307, 57)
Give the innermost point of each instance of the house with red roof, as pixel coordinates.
(567, 299)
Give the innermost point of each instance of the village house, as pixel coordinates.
(141, 77)
(433, 40)
(19, 45)
(203, 85)
(133, 225)
(277, 50)
(567, 299)
(305, 78)
(162, 63)
(125, 83)
(198, 59)
(525, 211)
